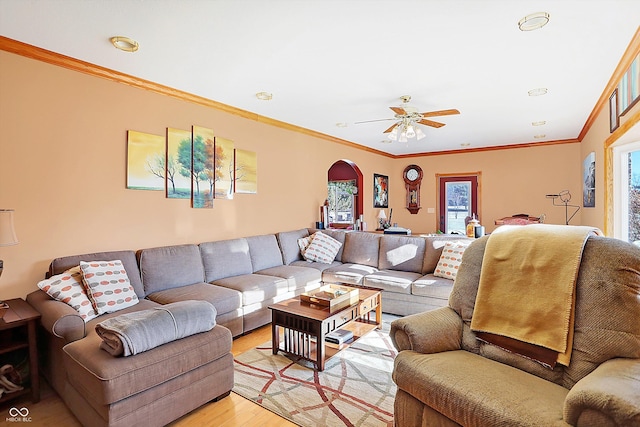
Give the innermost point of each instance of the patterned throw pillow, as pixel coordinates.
(108, 285)
(323, 248)
(68, 288)
(450, 260)
(304, 242)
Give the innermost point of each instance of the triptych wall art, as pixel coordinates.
(195, 165)
(625, 95)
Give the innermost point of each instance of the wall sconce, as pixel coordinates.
(564, 197)
(7, 238)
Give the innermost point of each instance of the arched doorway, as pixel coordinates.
(344, 190)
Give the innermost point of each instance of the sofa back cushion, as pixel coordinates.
(128, 258)
(401, 253)
(606, 309)
(433, 249)
(170, 267)
(264, 252)
(226, 258)
(288, 241)
(361, 248)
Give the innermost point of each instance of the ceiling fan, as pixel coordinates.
(407, 117)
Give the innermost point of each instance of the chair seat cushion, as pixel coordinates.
(104, 379)
(474, 391)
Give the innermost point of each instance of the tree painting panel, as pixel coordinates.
(589, 181)
(246, 172)
(203, 169)
(178, 174)
(225, 169)
(145, 161)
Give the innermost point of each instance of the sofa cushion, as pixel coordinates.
(107, 285)
(255, 288)
(472, 390)
(347, 273)
(288, 241)
(105, 379)
(225, 300)
(432, 286)
(303, 278)
(340, 236)
(170, 266)
(391, 280)
(323, 248)
(402, 253)
(361, 248)
(264, 252)
(225, 258)
(316, 265)
(128, 259)
(433, 249)
(68, 288)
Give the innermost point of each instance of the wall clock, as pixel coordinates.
(412, 178)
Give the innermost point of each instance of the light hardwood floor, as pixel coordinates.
(232, 411)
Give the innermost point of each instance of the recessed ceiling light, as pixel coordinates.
(533, 21)
(539, 123)
(386, 141)
(264, 96)
(465, 144)
(342, 124)
(542, 135)
(124, 43)
(538, 91)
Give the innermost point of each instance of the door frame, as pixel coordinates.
(442, 178)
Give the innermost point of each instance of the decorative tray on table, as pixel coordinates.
(335, 297)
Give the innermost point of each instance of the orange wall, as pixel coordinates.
(63, 169)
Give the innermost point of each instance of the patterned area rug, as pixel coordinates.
(355, 389)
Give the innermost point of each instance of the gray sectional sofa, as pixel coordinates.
(240, 277)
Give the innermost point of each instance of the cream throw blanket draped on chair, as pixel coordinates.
(527, 285)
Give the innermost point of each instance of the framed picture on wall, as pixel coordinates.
(380, 191)
(614, 118)
(589, 181)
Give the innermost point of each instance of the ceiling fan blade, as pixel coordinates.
(398, 110)
(431, 123)
(441, 113)
(369, 121)
(391, 128)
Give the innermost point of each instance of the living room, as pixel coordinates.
(64, 157)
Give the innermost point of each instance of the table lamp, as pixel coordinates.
(382, 216)
(7, 238)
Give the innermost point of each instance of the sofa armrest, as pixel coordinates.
(610, 395)
(429, 332)
(57, 318)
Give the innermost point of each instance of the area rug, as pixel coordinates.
(355, 389)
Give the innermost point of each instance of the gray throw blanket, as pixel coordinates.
(133, 333)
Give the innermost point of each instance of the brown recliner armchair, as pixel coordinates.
(446, 377)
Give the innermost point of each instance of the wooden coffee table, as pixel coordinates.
(299, 328)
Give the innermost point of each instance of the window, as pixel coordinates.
(458, 199)
(626, 192)
(341, 201)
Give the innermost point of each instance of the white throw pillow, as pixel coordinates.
(108, 285)
(323, 248)
(304, 242)
(450, 259)
(68, 288)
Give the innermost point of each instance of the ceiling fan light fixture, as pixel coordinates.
(124, 43)
(393, 135)
(419, 134)
(533, 21)
(410, 132)
(403, 137)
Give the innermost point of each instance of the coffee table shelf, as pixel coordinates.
(297, 327)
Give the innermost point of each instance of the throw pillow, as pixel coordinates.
(304, 242)
(450, 260)
(323, 248)
(68, 288)
(108, 285)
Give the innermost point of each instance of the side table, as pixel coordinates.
(20, 316)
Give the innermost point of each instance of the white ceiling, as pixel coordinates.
(330, 61)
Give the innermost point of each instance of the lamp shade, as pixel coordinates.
(7, 233)
(382, 214)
